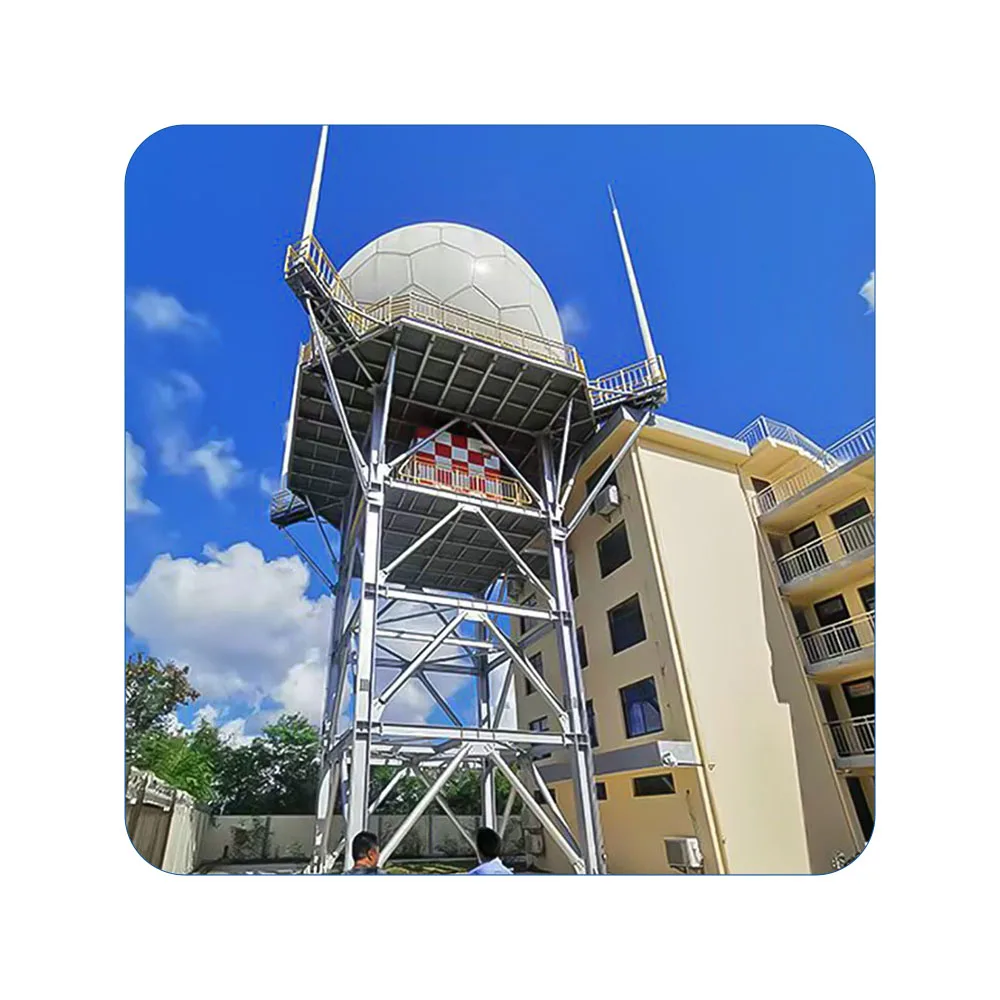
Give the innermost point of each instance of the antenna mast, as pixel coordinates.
(640, 312)
(307, 228)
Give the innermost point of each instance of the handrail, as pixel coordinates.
(628, 382)
(854, 737)
(840, 542)
(839, 639)
(426, 472)
(364, 317)
(858, 442)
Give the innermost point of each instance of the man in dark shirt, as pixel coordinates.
(365, 852)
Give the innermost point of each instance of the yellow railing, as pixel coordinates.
(364, 317)
(621, 385)
(425, 472)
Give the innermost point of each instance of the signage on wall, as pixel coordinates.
(861, 689)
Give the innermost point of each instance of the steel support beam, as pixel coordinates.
(581, 761)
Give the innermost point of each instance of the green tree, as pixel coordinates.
(152, 691)
(188, 761)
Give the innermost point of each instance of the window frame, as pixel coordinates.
(539, 667)
(642, 624)
(622, 691)
(665, 776)
(581, 647)
(619, 527)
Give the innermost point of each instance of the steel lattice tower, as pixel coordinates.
(370, 374)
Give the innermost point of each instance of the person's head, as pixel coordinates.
(364, 849)
(487, 843)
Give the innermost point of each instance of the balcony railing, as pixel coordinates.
(627, 383)
(853, 737)
(813, 556)
(502, 489)
(840, 639)
(859, 442)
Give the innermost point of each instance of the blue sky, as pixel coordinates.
(750, 245)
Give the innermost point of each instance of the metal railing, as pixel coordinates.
(765, 427)
(502, 489)
(627, 383)
(814, 555)
(860, 441)
(853, 737)
(364, 317)
(840, 639)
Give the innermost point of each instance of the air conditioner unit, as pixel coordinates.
(684, 853)
(608, 500)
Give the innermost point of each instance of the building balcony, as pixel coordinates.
(829, 561)
(845, 646)
(824, 469)
(853, 741)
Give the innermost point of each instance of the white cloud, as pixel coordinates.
(268, 486)
(248, 631)
(572, 320)
(215, 459)
(162, 313)
(867, 292)
(135, 474)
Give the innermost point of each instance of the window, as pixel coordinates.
(581, 646)
(536, 662)
(525, 623)
(641, 709)
(574, 585)
(759, 485)
(625, 622)
(602, 791)
(613, 550)
(592, 724)
(867, 595)
(540, 799)
(854, 535)
(540, 726)
(593, 480)
(653, 784)
(850, 513)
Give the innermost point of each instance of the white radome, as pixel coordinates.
(457, 265)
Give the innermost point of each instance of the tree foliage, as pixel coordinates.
(152, 691)
(187, 760)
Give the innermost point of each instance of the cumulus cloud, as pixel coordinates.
(135, 475)
(268, 486)
(248, 630)
(572, 320)
(161, 313)
(867, 292)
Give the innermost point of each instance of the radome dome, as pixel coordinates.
(460, 266)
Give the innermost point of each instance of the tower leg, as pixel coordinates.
(580, 757)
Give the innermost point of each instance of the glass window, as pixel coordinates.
(653, 784)
(574, 585)
(592, 724)
(602, 791)
(627, 627)
(867, 595)
(613, 550)
(581, 645)
(536, 662)
(641, 708)
(852, 512)
(540, 799)
(540, 726)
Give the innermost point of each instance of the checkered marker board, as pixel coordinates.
(457, 453)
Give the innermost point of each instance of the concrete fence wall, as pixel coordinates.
(172, 832)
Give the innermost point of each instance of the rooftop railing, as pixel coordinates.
(854, 445)
(853, 737)
(838, 640)
(826, 549)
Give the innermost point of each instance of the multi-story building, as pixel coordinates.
(723, 606)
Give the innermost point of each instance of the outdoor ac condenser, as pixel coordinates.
(684, 853)
(607, 501)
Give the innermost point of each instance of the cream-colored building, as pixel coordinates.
(723, 599)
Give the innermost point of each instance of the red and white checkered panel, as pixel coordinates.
(458, 459)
